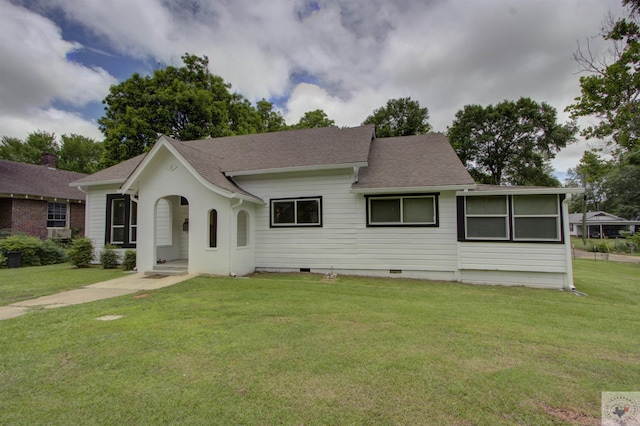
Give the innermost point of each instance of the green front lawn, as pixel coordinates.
(297, 349)
(32, 282)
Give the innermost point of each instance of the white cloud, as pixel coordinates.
(346, 57)
(35, 72)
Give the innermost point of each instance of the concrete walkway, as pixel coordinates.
(104, 290)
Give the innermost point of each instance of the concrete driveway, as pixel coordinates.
(104, 290)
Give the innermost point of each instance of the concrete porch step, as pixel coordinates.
(168, 272)
(168, 269)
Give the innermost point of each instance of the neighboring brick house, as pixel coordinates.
(37, 200)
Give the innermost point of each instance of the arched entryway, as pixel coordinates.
(171, 233)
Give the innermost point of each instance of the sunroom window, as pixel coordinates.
(486, 218)
(536, 217)
(517, 218)
(395, 210)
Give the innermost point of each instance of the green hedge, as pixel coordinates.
(35, 252)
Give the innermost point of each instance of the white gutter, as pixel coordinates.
(414, 189)
(567, 243)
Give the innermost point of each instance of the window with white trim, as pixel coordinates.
(487, 218)
(57, 214)
(402, 210)
(536, 218)
(288, 212)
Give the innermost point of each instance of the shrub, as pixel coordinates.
(81, 253)
(602, 247)
(29, 246)
(3, 260)
(51, 253)
(109, 257)
(129, 261)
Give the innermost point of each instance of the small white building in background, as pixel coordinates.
(328, 199)
(601, 225)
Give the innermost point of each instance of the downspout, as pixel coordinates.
(567, 243)
(232, 249)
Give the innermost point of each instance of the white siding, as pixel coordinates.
(164, 225)
(96, 216)
(513, 257)
(344, 242)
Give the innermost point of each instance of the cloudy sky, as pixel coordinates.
(348, 57)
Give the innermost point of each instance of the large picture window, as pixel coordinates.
(56, 215)
(296, 212)
(517, 218)
(396, 210)
(122, 221)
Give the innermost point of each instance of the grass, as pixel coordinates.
(28, 283)
(616, 245)
(297, 349)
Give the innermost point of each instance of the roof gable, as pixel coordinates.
(38, 181)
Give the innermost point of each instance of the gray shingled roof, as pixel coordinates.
(38, 181)
(116, 174)
(412, 162)
(289, 149)
(402, 162)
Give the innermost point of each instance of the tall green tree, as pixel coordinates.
(316, 118)
(79, 154)
(590, 173)
(622, 194)
(400, 117)
(611, 90)
(188, 102)
(270, 120)
(76, 153)
(31, 149)
(510, 143)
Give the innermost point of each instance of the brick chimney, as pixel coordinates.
(49, 160)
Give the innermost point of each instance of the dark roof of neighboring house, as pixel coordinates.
(412, 162)
(22, 179)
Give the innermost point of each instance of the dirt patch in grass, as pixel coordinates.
(570, 415)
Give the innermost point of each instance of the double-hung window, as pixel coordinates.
(122, 221)
(487, 218)
(397, 210)
(536, 218)
(57, 215)
(288, 212)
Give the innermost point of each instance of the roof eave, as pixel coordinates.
(521, 190)
(97, 183)
(320, 167)
(411, 189)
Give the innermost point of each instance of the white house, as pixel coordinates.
(328, 199)
(601, 225)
